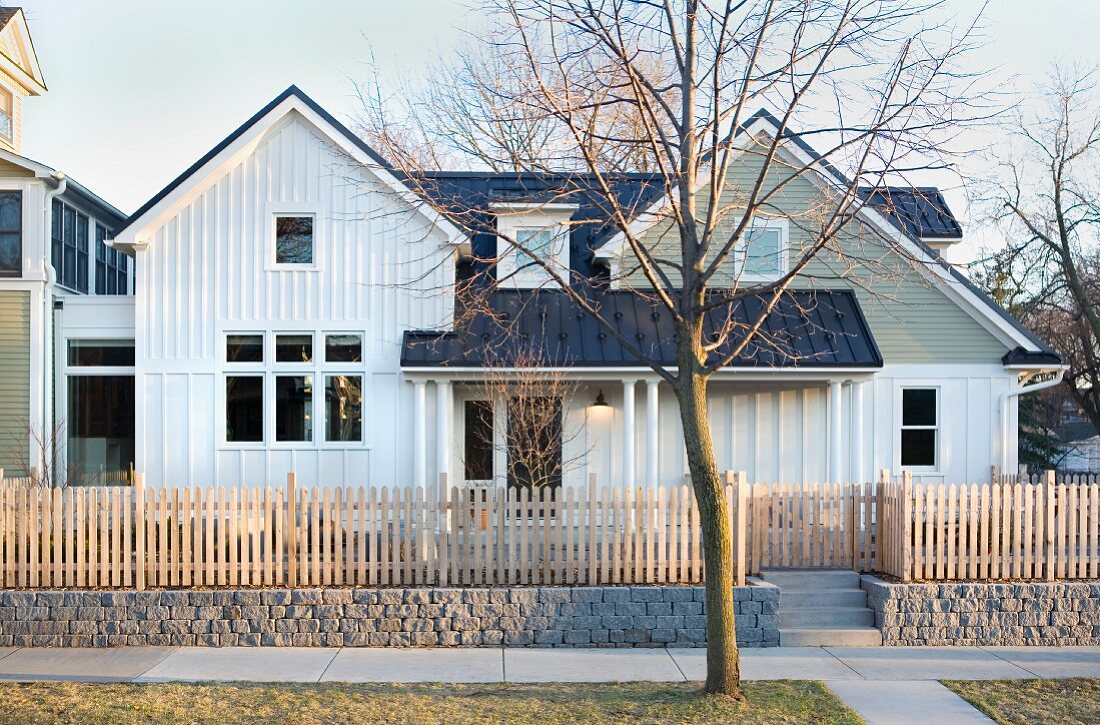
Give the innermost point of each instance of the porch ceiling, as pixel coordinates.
(807, 329)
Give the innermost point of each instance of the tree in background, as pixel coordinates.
(1045, 198)
(579, 91)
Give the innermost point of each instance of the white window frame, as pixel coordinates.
(511, 218)
(269, 369)
(937, 427)
(9, 94)
(281, 209)
(762, 224)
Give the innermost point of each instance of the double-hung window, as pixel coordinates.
(920, 427)
(7, 115)
(11, 233)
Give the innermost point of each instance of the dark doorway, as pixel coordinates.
(535, 444)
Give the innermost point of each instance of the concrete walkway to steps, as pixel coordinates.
(883, 684)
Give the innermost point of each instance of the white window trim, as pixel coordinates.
(532, 275)
(783, 225)
(938, 427)
(268, 370)
(300, 208)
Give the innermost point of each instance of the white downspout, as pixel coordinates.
(48, 432)
(1021, 390)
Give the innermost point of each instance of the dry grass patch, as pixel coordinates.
(766, 702)
(1075, 700)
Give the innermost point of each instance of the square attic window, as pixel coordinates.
(294, 239)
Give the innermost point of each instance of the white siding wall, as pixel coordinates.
(205, 273)
(779, 432)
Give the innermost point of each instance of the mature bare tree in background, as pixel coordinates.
(1046, 200)
(667, 87)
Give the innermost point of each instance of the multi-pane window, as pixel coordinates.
(69, 246)
(294, 240)
(11, 233)
(284, 392)
(919, 426)
(111, 266)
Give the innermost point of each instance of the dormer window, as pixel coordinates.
(7, 114)
(532, 238)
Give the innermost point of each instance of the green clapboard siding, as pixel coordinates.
(15, 359)
(911, 319)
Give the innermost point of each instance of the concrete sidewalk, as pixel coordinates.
(875, 681)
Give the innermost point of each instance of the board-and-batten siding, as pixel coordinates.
(380, 270)
(15, 370)
(912, 321)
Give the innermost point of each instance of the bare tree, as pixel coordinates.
(1046, 200)
(674, 87)
(44, 446)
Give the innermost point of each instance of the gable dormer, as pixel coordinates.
(530, 232)
(20, 76)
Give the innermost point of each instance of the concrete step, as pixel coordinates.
(803, 598)
(830, 637)
(811, 578)
(838, 617)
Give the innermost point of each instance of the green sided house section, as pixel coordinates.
(911, 319)
(15, 371)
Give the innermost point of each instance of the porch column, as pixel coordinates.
(420, 443)
(651, 413)
(859, 467)
(628, 432)
(835, 422)
(444, 400)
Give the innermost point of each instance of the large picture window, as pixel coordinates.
(279, 391)
(919, 427)
(11, 233)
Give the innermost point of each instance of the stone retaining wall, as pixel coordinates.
(510, 616)
(985, 614)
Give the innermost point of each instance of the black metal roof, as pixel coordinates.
(1020, 356)
(922, 210)
(806, 329)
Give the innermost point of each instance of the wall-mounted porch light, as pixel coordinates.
(600, 401)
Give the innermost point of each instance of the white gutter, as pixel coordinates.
(1023, 389)
(48, 431)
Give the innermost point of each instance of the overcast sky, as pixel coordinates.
(139, 89)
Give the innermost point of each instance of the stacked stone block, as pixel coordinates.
(656, 616)
(986, 613)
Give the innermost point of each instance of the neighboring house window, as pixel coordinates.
(11, 233)
(765, 250)
(110, 266)
(7, 114)
(294, 239)
(69, 246)
(289, 383)
(919, 427)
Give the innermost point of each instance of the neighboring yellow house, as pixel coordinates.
(51, 249)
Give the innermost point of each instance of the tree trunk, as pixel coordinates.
(723, 662)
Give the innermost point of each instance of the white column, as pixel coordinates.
(860, 469)
(835, 422)
(651, 414)
(420, 443)
(628, 432)
(443, 427)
